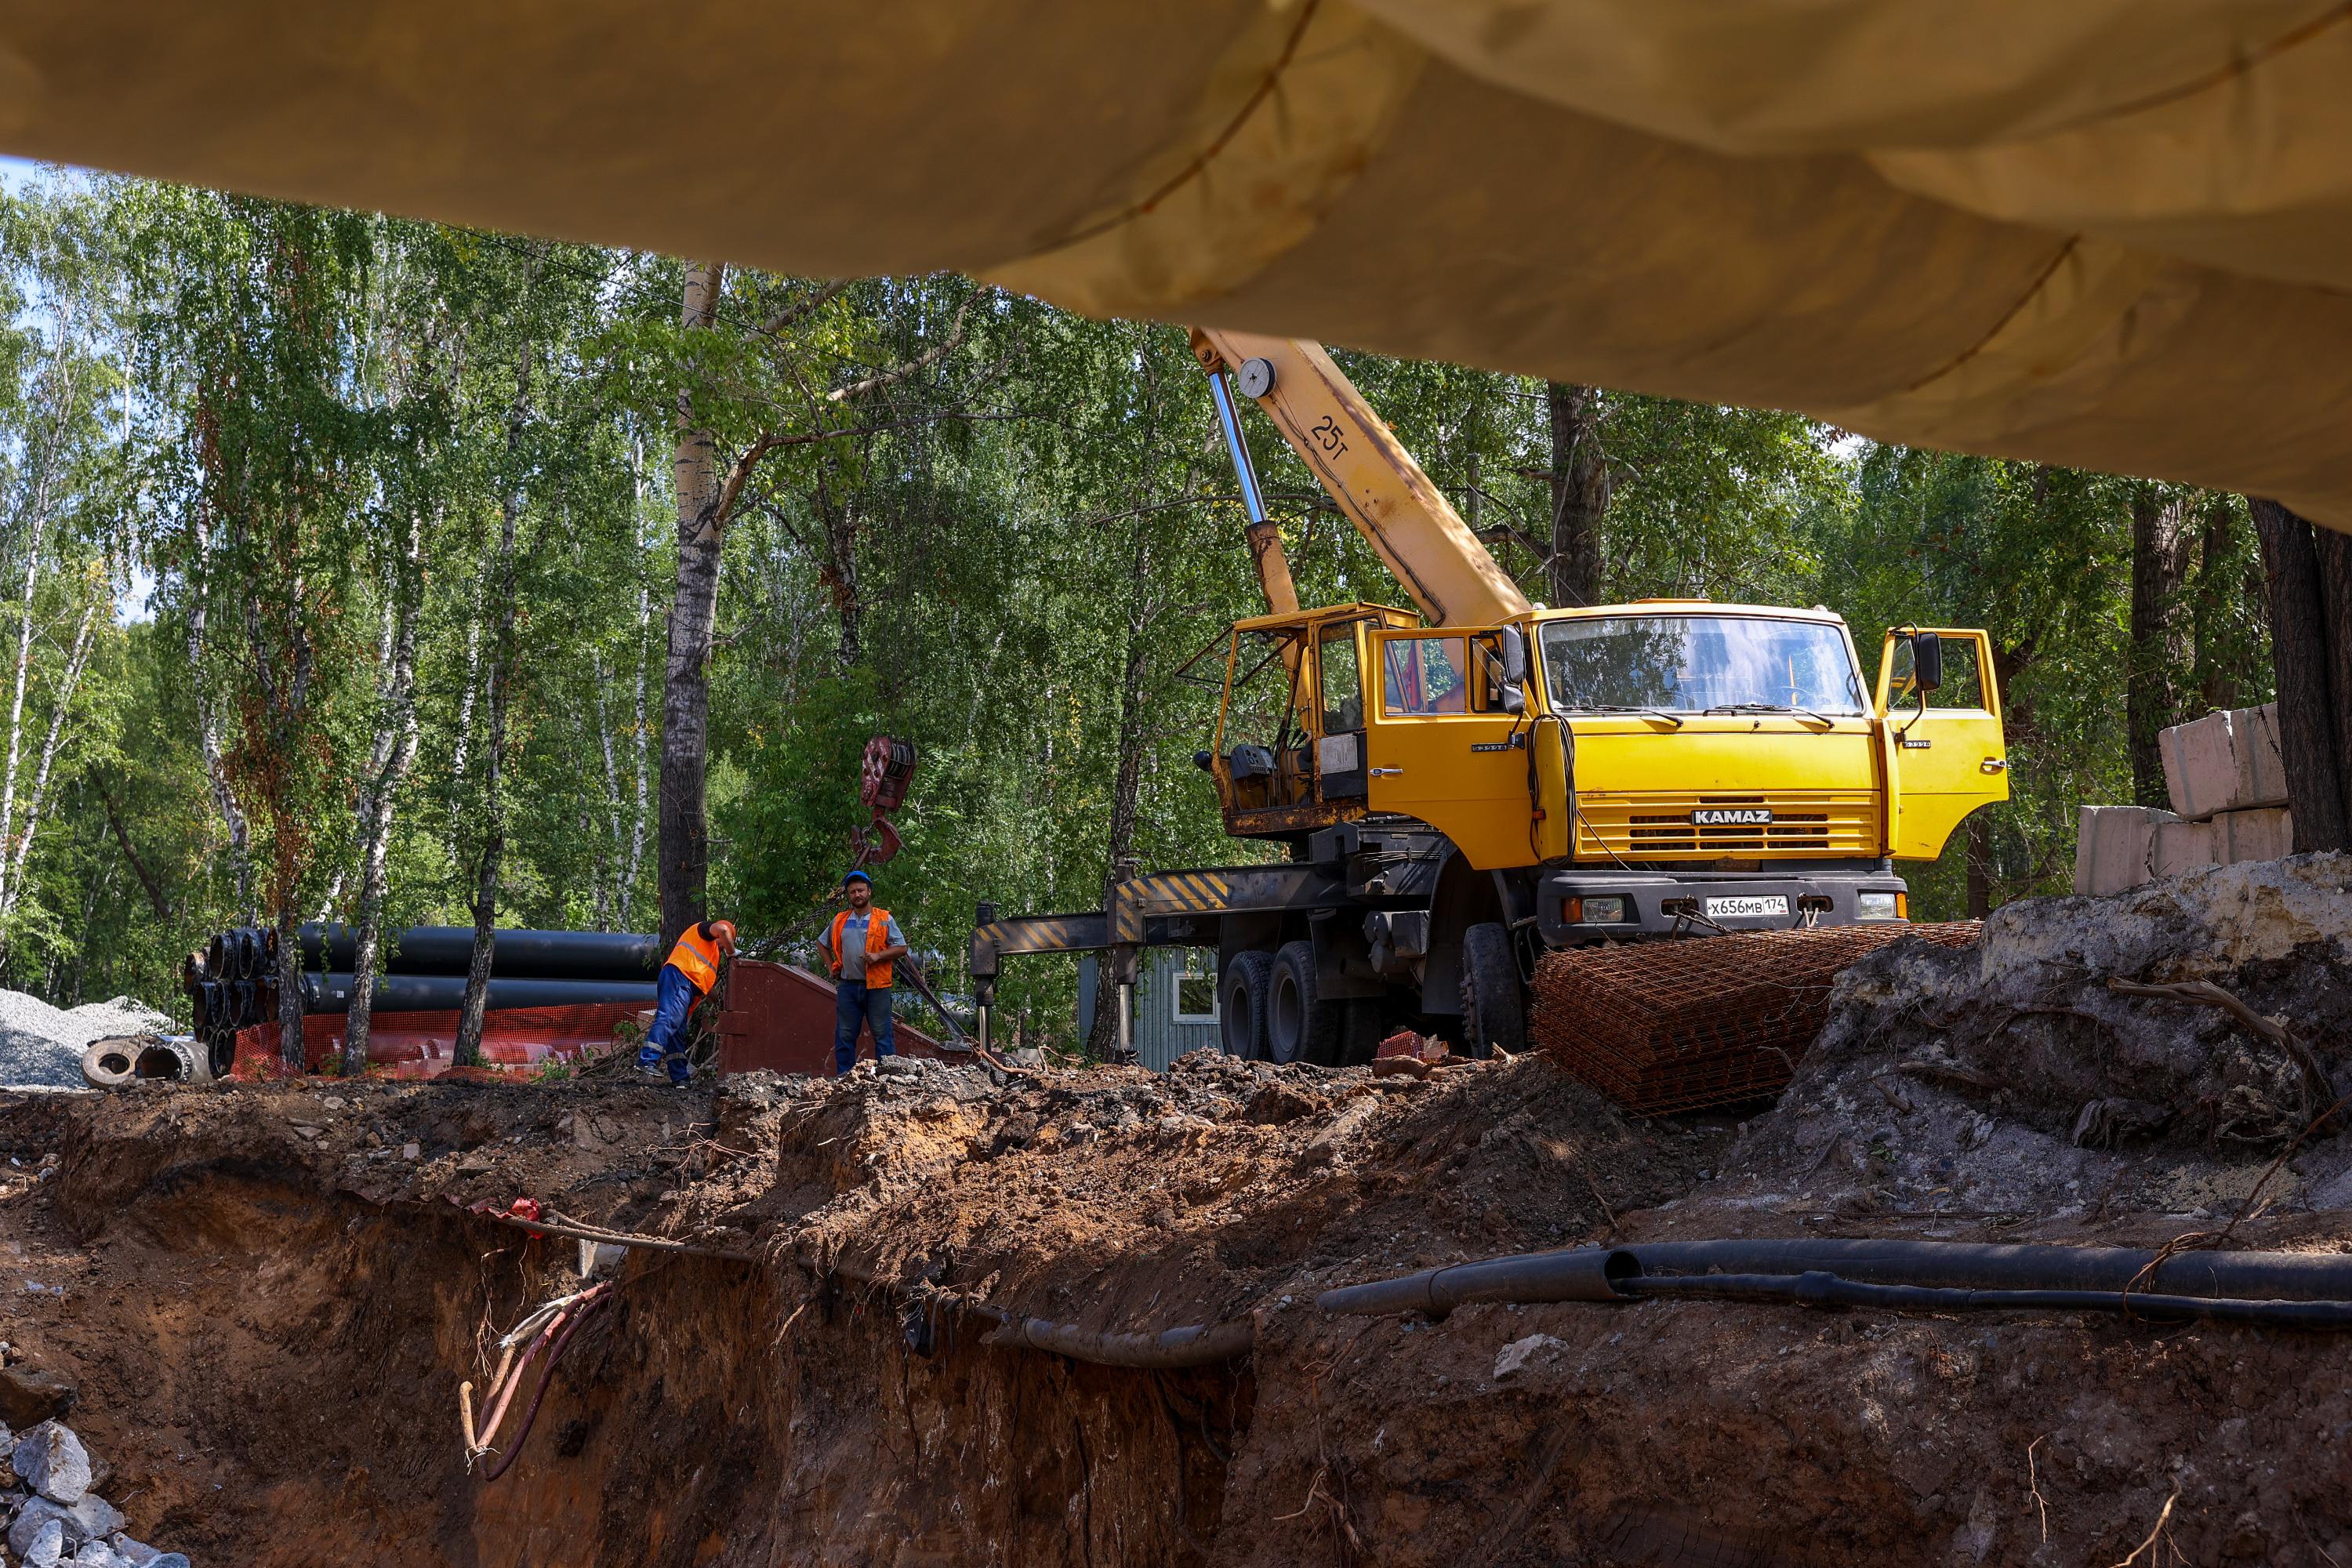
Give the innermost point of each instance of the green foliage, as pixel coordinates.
(984, 556)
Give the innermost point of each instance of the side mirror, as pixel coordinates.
(1204, 761)
(1926, 661)
(1514, 644)
(1514, 700)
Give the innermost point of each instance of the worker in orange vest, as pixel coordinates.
(687, 977)
(860, 944)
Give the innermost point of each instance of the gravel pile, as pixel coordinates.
(41, 1045)
(54, 1517)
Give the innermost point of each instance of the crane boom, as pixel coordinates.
(1448, 572)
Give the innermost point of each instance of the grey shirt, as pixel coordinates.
(852, 945)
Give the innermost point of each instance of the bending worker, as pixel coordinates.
(687, 977)
(859, 946)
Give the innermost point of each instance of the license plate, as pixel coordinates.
(1746, 905)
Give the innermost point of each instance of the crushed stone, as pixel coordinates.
(41, 1045)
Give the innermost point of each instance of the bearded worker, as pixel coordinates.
(860, 944)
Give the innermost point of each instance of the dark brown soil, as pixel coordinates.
(270, 1301)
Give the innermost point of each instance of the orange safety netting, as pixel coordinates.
(424, 1045)
(1673, 1025)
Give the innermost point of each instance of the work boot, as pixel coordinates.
(681, 1071)
(649, 1063)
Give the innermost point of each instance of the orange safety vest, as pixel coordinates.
(877, 937)
(695, 956)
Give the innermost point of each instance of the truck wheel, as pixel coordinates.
(1493, 1004)
(1241, 1004)
(1300, 1026)
(1361, 1031)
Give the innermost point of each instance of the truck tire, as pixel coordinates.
(1301, 1026)
(1360, 1032)
(1241, 1004)
(1493, 1003)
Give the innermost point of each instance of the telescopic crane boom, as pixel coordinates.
(1422, 538)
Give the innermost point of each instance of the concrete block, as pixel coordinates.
(2112, 846)
(2266, 832)
(2224, 761)
(2176, 846)
(2200, 765)
(2262, 775)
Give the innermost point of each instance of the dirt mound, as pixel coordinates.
(270, 1295)
(2011, 1083)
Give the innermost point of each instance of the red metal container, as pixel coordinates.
(778, 1018)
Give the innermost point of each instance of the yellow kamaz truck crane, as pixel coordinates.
(1462, 785)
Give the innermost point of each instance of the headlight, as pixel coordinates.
(1605, 911)
(1875, 906)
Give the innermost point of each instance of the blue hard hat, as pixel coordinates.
(857, 876)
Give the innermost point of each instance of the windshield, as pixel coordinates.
(1691, 664)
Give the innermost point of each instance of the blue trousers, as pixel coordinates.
(674, 997)
(855, 1003)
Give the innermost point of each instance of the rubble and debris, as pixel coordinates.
(52, 1515)
(41, 1047)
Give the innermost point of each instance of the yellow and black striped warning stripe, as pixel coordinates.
(1180, 892)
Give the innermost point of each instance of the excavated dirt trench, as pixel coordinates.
(271, 1295)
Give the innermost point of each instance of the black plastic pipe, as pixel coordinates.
(1819, 1289)
(1624, 1273)
(445, 993)
(514, 953)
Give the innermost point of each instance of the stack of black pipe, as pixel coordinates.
(232, 981)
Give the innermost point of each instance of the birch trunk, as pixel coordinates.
(56, 383)
(684, 831)
(1127, 788)
(287, 698)
(609, 859)
(209, 739)
(16, 702)
(395, 749)
(639, 738)
(12, 886)
(469, 1048)
(459, 754)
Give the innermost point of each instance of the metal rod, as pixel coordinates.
(1126, 1019)
(1230, 419)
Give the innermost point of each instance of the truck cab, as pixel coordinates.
(1669, 766)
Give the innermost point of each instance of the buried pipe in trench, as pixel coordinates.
(1191, 1344)
(2292, 1289)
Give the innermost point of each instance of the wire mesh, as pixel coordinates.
(1675, 1025)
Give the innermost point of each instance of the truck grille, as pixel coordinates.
(1646, 826)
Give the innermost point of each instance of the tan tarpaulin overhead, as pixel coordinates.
(2102, 233)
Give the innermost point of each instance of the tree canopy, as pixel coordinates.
(338, 549)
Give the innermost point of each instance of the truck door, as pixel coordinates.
(1947, 759)
(1439, 746)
